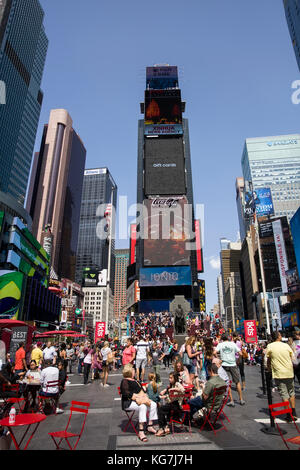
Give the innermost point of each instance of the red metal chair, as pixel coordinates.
(285, 408)
(20, 401)
(61, 435)
(53, 400)
(212, 415)
(184, 411)
(188, 391)
(130, 415)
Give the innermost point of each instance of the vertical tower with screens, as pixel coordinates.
(168, 246)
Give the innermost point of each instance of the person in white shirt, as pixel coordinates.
(142, 350)
(50, 374)
(49, 353)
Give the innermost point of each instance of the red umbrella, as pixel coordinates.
(58, 332)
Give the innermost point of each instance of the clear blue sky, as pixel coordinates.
(236, 65)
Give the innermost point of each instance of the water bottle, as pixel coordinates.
(12, 416)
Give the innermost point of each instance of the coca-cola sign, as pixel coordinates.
(165, 201)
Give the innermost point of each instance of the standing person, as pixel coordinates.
(227, 350)
(190, 357)
(37, 354)
(129, 353)
(142, 350)
(106, 354)
(87, 362)
(63, 355)
(166, 351)
(80, 355)
(240, 359)
(97, 363)
(20, 362)
(49, 353)
(279, 360)
(295, 346)
(157, 356)
(69, 357)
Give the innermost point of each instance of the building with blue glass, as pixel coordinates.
(23, 49)
(292, 13)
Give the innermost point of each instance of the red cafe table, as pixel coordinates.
(23, 420)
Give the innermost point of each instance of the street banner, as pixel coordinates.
(99, 330)
(281, 254)
(250, 331)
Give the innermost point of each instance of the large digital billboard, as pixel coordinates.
(199, 252)
(160, 78)
(295, 227)
(166, 231)
(163, 113)
(93, 278)
(173, 276)
(164, 167)
(259, 201)
(11, 286)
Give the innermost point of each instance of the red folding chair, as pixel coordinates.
(184, 411)
(78, 407)
(20, 401)
(53, 400)
(212, 415)
(286, 408)
(188, 391)
(130, 415)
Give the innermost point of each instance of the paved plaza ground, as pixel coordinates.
(105, 421)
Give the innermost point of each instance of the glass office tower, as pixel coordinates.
(274, 162)
(92, 251)
(292, 13)
(23, 49)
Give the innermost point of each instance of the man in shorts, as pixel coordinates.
(227, 350)
(142, 350)
(279, 360)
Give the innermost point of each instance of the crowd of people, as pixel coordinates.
(209, 359)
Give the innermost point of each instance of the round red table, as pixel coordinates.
(23, 420)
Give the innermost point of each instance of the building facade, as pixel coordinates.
(95, 304)
(54, 196)
(274, 162)
(120, 289)
(99, 191)
(292, 13)
(23, 49)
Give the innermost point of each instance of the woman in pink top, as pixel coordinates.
(128, 353)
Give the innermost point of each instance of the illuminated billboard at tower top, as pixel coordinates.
(161, 78)
(163, 113)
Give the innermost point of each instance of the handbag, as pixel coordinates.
(142, 399)
(110, 358)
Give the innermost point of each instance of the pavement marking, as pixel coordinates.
(118, 399)
(95, 411)
(267, 421)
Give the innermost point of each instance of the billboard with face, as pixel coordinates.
(163, 114)
(167, 232)
(164, 166)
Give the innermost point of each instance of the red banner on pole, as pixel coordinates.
(99, 330)
(250, 331)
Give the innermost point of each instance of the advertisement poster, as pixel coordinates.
(281, 254)
(181, 276)
(11, 285)
(94, 278)
(166, 232)
(19, 335)
(250, 331)
(259, 201)
(163, 77)
(163, 110)
(99, 331)
(292, 280)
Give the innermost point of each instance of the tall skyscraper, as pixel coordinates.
(23, 49)
(120, 290)
(54, 196)
(165, 265)
(99, 190)
(274, 162)
(292, 13)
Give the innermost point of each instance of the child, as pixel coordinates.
(152, 388)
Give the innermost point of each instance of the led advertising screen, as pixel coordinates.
(199, 252)
(93, 278)
(292, 279)
(163, 114)
(11, 286)
(174, 276)
(263, 202)
(164, 167)
(132, 243)
(161, 78)
(166, 231)
(202, 295)
(295, 227)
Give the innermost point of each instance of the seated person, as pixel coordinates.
(50, 374)
(164, 411)
(130, 388)
(32, 374)
(153, 388)
(221, 371)
(182, 372)
(206, 400)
